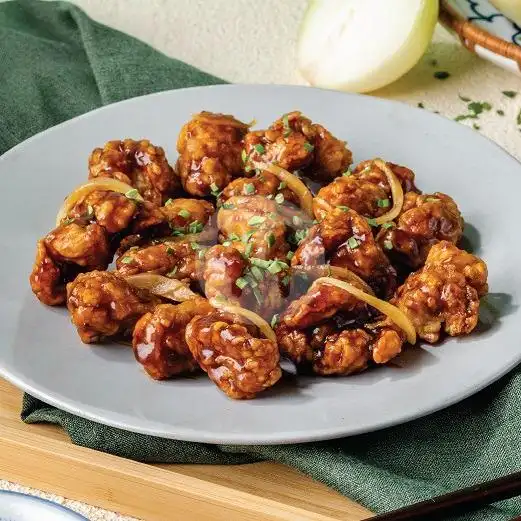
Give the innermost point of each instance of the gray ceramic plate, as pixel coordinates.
(41, 353)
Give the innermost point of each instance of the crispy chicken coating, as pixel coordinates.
(69, 249)
(225, 268)
(424, 220)
(295, 143)
(365, 190)
(175, 259)
(102, 304)
(210, 147)
(239, 362)
(444, 294)
(137, 163)
(159, 338)
(254, 226)
(345, 238)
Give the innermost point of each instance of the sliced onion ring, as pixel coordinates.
(255, 319)
(293, 183)
(171, 289)
(396, 192)
(80, 192)
(395, 314)
(325, 270)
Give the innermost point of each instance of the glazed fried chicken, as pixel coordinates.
(187, 215)
(69, 249)
(137, 163)
(102, 304)
(254, 226)
(366, 190)
(345, 239)
(236, 359)
(159, 338)
(294, 143)
(210, 147)
(444, 294)
(424, 220)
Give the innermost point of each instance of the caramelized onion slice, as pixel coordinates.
(325, 270)
(395, 314)
(171, 289)
(293, 183)
(396, 192)
(99, 183)
(255, 319)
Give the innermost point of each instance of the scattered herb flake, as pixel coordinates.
(347, 173)
(519, 117)
(234, 237)
(134, 195)
(195, 227)
(241, 282)
(353, 243)
(475, 126)
(184, 213)
(388, 245)
(126, 260)
(371, 221)
(169, 201)
(300, 235)
(249, 188)
(258, 295)
(256, 220)
(259, 148)
(270, 239)
(286, 280)
(463, 98)
(169, 250)
(274, 320)
(228, 206)
(247, 250)
(388, 225)
(308, 147)
(282, 185)
(441, 75)
(477, 107)
(261, 263)
(383, 203)
(227, 243)
(297, 221)
(214, 188)
(195, 246)
(172, 273)
(285, 124)
(279, 198)
(200, 254)
(500, 112)
(420, 106)
(246, 237)
(343, 208)
(244, 156)
(510, 93)
(290, 255)
(257, 272)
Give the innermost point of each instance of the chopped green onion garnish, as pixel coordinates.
(257, 272)
(256, 220)
(383, 203)
(195, 227)
(247, 250)
(227, 243)
(510, 93)
(169, 201)
(290, 255)
(285, 123)
(126, 260)
(195, 246)
(259, 148)
(261, 263)
(134, 195)
(249, 188)
(270, 239)
(387, 225)
(201, 253)
(274, 320)
(184, 213)
(353, 243)
(308, 147)
(286, 280)
(172, 273)
(347, 173)
(234, 237)
(282, 185)
(241, 282)
(169, 250)
(388, 245)
(300, 235)
(246, 237)
(371, 221)
(244, 156)
(279, 198)
(90, 211)
(297, 221)
(343, 208)
(228, 206)
(258, 295)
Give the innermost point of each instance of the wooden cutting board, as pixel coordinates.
(41, 456)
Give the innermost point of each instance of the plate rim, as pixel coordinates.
(188, 434)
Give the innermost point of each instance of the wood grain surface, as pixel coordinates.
(42, 456)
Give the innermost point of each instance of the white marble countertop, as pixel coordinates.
(247, 41)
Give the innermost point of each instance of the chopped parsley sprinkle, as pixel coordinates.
(228, 206)
(441, 75)
(343, 208)
(500, 112)
(477, 107)
(247, 250)
(383, 203)
(300, 235)
(259, 148)
(234, 237)
(308, 147)
(134, 195)
(169, 201)
(195, 246)
(258, 295)
(463, 98)
(246, 237)
(195, 227)
(214, 188)
(256, 220)
(388, 245)
(421, 105)
(249, 188)
(279, 198)
(510, 93)
(286, 280)
(297, 221)
(261, 263)
(282, 185)
(388, 225)
(241, 282)
(274, 320)
(270, 239)
(184, 213)
(172, 273)
(169, 250)
(277, 266)
(290, 255)
(347, 173)
(227, 243)
(353, 243)
(257, 272)
(126, 260)
(371, 221)
(244, 156)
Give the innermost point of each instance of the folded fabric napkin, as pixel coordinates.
(56, 63)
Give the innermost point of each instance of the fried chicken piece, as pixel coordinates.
(424, 220)
(345, 238)
(224, 266)
(210, 147)
(175, 259)
(159, 338)
(102, 304)
(265, 184)
(187, 215)
(137, 163)
(445, 293)
(254, 226)
(69, 249)
(295, 143)
(366, 190)
(239, 362)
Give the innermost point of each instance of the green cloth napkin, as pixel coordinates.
(56, 63)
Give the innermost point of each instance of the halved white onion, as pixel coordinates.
(396, 315)
(171, 289)
(80, 192)
(264, 327)
(362, 45)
